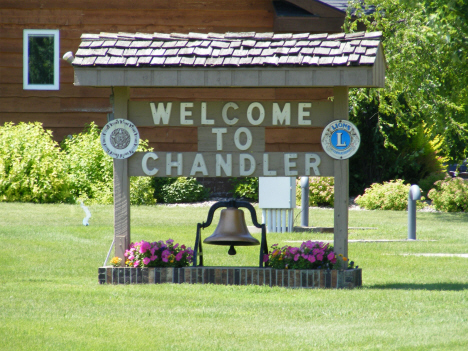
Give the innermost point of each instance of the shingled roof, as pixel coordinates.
(231, 59)
(229, 49)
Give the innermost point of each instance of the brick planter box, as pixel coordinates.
(294, 278)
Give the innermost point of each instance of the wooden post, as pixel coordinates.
(341, 174)
(121, 183)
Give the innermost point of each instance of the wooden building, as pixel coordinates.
(65, 108)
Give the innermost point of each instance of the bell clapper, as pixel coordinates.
(232, 250)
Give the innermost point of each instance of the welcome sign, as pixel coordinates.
(234, 138)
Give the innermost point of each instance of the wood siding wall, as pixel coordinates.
(67, 110)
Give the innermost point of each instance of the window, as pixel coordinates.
(40, 59)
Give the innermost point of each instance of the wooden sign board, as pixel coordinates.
(234, 138)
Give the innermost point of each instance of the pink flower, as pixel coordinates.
(153, 257)
(169, 241)
(136, 263)
(176, 246)
(183, 247)
(131, 257)
(304, 256)
(296, 257)
(146, 260)
(331, 256)
(165, 259)
(145, 246)
(320, 257)
(179, 256)
(311, 259)
(265, 258)
(293, 250)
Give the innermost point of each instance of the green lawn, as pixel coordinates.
(50, 298)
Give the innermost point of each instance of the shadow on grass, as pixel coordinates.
(451, 217)
(410, 286)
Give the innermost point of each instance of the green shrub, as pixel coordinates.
(158, 183)
(392, 195)
(321, 191)
(31, 166)
(91, 170)
(184, 190)
(428, 183)
(245, 188)
(450, 195)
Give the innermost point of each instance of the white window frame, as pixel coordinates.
(37, 32)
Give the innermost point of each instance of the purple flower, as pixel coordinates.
(265, 258)
(153, 257)
(146, 260)
(311, 259)
(179, 256)
(296, 257)
(331, 256)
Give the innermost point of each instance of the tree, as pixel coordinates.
(426, 94)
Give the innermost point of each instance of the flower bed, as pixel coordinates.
(310, 255)
(157, 254)
(312, 265)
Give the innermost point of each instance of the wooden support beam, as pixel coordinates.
(341, 171)
(121, 183)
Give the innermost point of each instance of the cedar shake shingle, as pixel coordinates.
(227, 49)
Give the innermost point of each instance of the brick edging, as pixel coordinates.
(289, 278)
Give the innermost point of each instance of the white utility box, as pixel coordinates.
(277, 199)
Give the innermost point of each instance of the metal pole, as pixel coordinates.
(305, 201)
(414, 194)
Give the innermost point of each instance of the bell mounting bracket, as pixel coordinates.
(198, 250)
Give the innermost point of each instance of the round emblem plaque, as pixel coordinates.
(120, 138)
(341, 139)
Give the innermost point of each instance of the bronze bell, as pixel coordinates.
(232, 231)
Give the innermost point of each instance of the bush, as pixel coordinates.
(91, 170)
(245, 188)
(450, 195)
(158, 183)
(388, 150)
(392, 195)
(31, 165)
(184, 190)
(321, 191)
(428, 183)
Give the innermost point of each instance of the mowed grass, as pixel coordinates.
(50, 298)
